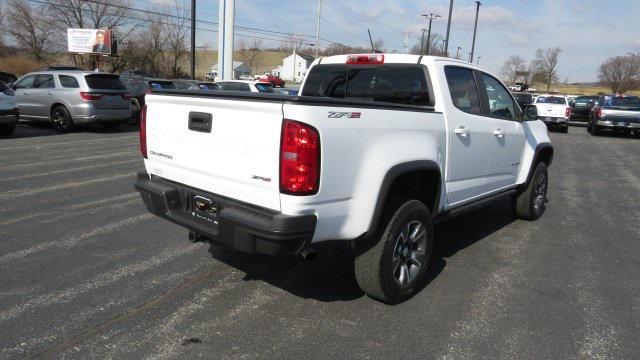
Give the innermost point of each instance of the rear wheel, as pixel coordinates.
(530, 204)
(7, 129)
(61, 119)
(392, 269)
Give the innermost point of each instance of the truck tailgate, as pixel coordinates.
(238, 158)
(551, 110)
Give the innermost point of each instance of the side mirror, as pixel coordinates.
(529, 113)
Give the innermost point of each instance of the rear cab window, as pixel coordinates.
(557, 100)
(104, 82)
(404, 84)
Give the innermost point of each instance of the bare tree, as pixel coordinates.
(177, 35)
(249, 53)
(545, 65)
(620, 73)
(29, 27)
(513, 68)
(435, 47)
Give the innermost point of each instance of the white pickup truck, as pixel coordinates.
(374, 151)
(554, 111)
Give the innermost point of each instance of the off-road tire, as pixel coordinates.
(374, 268)
(528, 205)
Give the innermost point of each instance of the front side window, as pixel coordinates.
(500, 102)
(26, 82)
(463, 89)
(44, 82)
(67, 81)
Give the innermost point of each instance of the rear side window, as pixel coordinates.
(104, 82)
(398, 84)
(44, 82)
(67, 81)
(463, 89)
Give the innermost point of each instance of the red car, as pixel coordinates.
(274, 80)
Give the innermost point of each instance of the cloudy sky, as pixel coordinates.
(588, 31)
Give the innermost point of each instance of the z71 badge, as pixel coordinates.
(340, 115)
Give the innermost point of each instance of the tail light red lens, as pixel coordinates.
(567, 113)
(143, 131)
(299, 159)
(365, 59)
(89, 96)
(598, 112)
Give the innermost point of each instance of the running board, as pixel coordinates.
(472, 206)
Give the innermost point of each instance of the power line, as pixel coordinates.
(343, 30)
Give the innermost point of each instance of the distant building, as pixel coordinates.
(239, 69)
(277, 71)
(295, 66)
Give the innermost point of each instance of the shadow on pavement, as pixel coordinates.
(28, 129)
(330, 277)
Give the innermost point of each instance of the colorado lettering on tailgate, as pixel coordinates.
(348, 115)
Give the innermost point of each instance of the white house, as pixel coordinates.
(277, 71)
(294, 67)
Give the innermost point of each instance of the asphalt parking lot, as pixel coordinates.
(86, 272)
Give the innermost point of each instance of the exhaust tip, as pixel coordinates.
(308, 254)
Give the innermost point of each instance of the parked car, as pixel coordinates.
(411, 140)
(8, 110)
(581, 107)
(246, 77)
(554, 111)
(70, 98)
(523, 98)
(615, 113)
(275, 81)
(7, 78)
(139, 83)
(245, 85)
(519, 87)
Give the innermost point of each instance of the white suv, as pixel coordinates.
(8, 110)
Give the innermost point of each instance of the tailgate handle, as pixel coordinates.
(200, 122)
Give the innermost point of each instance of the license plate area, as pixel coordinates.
(203, 208)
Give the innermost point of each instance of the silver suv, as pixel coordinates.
(70, 98)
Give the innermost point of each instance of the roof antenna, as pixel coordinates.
(373, 50)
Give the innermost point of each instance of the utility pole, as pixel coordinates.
(475, 28)
(458, 53)
(318, 28)
(373, 50)
(430, 17)
(193, 39)
(422, 42)
(226, 20)
(446, 46)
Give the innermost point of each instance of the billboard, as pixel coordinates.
(89, 41)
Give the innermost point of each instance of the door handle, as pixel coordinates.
(498, 132)
(461, 130)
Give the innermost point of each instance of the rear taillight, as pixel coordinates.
(299, 159)
(567, 113)
(126, 96)
(365, 59)
(143, 131)
(89, 96)
(598, 112)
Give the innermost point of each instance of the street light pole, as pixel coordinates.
(193, 39)
(430, 16)
(446, 44)
(475, 28)
(318, 28)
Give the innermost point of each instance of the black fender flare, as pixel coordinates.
(392, 174)
(536, 158)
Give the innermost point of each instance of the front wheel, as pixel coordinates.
(393, 268)
(7, 129)
(61, 119)
(530, 204)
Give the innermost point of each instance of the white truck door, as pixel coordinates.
(508, 135)
(470, 137)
